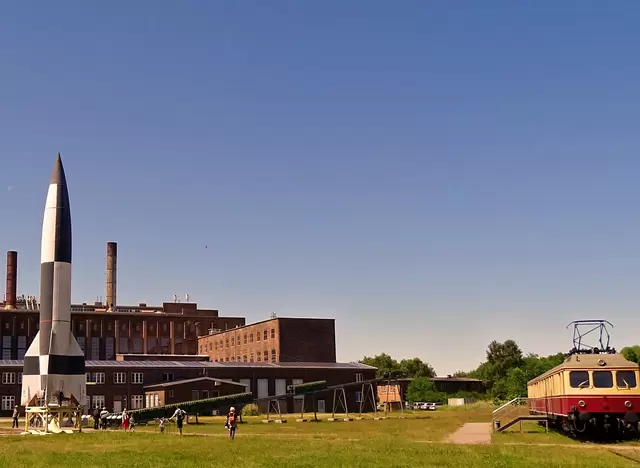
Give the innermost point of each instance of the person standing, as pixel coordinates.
(179, 415)
(232, 423)
(96, 418)
(125, 420)
(14, 416)
(103, 417)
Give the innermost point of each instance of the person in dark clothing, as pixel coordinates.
(14, 416)
(96, 418)
(179, 415)
(232, 423)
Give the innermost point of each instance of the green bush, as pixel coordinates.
(251, 410)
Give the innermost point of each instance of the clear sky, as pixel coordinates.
(433, 175)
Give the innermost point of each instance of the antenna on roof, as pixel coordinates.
(273, 315)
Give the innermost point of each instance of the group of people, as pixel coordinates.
(100, 419)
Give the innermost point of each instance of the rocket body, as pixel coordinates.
(54, 367)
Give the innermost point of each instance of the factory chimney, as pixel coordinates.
(12, 280)
(112, 267)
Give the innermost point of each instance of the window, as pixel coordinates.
(244, 358)
(205, 394)
(201, 349)
(167, 377)
(626, 379)
(358, 377)
(251, 357)
(110, 352)
(602, 379)
(245, 339)
(6, 347)
(119, 377)
(265, 335)
(273, 333)
(215, 344)
(258, 356)
(227, 342)
(80, 341)
(8, 378)
(124, 345)
(19, 377)
(233, 341)
(98, 401)
(358, 397)
(8, 402)
(258, 336)
(579, 379)
(137, 401)
(266, 356)
(137, 346)
(97, 377)
(195, 394)
(170, 393)
(95, 348)
(251, 338)
(22, 346)
(136, 377)
(273, 355)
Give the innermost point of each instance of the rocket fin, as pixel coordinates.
(74, 347)
(34, 349)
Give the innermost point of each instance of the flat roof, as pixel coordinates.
(211, 365)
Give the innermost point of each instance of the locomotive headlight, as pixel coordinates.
(582, 403)
(627, 404)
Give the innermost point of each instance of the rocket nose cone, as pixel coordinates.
(57, 176)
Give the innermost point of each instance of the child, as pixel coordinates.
(132, 423)
(232, 423)
(161, 424)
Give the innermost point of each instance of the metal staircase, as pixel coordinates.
(513, 412)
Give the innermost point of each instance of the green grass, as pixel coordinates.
(415, 441)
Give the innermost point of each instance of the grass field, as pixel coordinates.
(415, 441)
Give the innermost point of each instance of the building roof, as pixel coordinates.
(209, 365)
(197, 379)
(445, 379)
(588, 362)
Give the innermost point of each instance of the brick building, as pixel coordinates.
(275, 340)
(166, 393)
(116, 384)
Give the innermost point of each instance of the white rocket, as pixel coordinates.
(54, 363)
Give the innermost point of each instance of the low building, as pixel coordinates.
(120, 384)
(275, 340)
(166, 393)
(449, 385)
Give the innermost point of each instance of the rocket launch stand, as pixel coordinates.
(53, 419)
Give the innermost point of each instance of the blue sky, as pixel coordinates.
(434, 175)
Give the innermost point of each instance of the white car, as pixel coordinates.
(428, 407)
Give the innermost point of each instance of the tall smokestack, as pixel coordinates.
(112, 267)
(12, 280)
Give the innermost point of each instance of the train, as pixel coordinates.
(592, 394)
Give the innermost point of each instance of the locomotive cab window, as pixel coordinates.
(602, 379)
(626, 379)
(579, 379)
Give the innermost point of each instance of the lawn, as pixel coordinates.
(415, 441)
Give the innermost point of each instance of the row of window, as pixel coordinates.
(99, 401)
(246, 338)
(118, 377)
(602, 379)
(259, 357)
(10, 378)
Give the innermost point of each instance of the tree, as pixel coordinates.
(422, 389)
(406, 368)
(631, 353)
(416, 368)
(504, 356)
(384, 363)
(516, 384)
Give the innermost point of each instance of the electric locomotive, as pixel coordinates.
(594, 392)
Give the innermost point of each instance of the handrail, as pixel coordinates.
(509, 403)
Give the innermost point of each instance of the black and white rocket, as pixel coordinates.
(54, 370)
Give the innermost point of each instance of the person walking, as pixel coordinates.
(125, 420)
(232, 423)
(14, 417)
(103, 417)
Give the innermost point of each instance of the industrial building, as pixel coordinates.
(138, 356)
(274, 340)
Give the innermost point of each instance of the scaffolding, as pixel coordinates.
(53, 419)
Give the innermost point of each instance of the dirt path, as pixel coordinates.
(471, 433)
